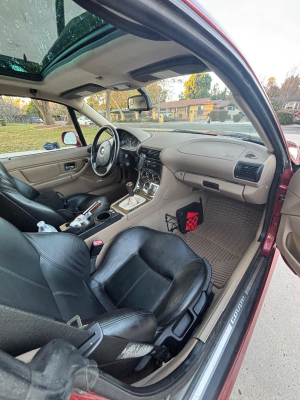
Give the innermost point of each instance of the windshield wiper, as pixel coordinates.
(196, 132)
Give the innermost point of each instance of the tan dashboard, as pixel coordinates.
(232, 167)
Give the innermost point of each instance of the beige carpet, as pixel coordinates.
(224, 236)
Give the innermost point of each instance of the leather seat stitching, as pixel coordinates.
(23, 278)
(102, 288)
(152, 269)
(132, 287)
(61, 293)
(125, 317)
(129, 258)
(163, 297)
(52, 261)
(19, 206)
(173, 310)
(118, 238)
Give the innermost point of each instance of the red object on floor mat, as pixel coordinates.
(192, 221)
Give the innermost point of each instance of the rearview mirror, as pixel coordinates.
(71, 139)
(141, 102)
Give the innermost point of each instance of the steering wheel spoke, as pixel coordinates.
(107, 154)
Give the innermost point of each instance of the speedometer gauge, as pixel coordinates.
(126, 140)
(134, 142)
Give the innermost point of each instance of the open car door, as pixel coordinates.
(288, 236)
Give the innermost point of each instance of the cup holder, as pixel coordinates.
(105, 216)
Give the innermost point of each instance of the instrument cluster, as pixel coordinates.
(128, 141)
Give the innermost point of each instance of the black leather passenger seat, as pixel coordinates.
(145, 285)
(153, 270)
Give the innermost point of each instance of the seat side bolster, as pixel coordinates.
(60, 248)
(25, 213)
(136, 325)
(26, 190)
(186, 287)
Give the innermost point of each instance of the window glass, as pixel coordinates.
(26, 125)
(35, 32)
(89, 129)
(200, 103)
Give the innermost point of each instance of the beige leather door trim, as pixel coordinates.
(47, 170)
(288, 236)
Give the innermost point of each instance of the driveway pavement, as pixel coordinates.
(271, 367)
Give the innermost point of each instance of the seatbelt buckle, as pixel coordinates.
(96, 247)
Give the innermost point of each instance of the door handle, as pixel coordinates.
(69, 166)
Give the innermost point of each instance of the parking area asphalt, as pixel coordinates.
(271, 367)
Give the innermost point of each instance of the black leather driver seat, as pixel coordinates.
(24, 206)
(48, 274)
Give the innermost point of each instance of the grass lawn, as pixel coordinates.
(15, 138)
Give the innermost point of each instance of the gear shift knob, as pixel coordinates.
(130, 187)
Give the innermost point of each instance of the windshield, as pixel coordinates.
(35, 32)
(197, 103)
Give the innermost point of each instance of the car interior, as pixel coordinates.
(140, 281)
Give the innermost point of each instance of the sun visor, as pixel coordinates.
(82, 91)
(169, 68)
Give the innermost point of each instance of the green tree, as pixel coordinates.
(215, 92)
(224, 94)
(158, 91)
(32, 109)
(97, 101)
(290, 87)
(272, 88)
(44, 107)
(197, 86)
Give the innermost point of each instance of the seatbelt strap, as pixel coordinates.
(22, 331)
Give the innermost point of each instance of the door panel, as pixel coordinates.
(288, 236)
(47, 170)
(41, 173)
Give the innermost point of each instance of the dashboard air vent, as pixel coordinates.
(150, 153)
(248, 171)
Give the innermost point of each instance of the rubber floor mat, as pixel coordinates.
(223, 238)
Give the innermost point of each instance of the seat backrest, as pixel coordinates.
(17, 204)
(153, 270)
(46, 274)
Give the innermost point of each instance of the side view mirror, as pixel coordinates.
(294, 151)
(71, 139)
(141, 102)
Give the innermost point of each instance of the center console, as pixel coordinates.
(139, 194)
(95, 224)
(149, 178)
(147, 185)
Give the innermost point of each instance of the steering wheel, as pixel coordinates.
(106, 157)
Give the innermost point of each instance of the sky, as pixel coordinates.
(267, 32)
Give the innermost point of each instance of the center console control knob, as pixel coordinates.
(147, 185)
(149, 175)
(156, 178)
(141, 162)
